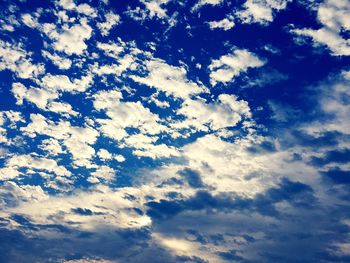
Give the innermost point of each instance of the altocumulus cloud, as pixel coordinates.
(174, 131)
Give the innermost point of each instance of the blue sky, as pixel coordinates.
(174, 131)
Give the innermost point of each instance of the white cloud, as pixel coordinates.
(225, 24)
(30, 163)
(60, 61)
(8, 173)
(161, 104)
(227, 67)
(202, 3)
(8, 120)
(109, 209)
(104, 173)
(63, 83)
(84, 9)
(227, 111)
(89, 260)
(155, 8)
(52, 146)
(20, 194)
(103, 154)
(124, 114)
(111, 49)
(338, 45)
(119, 158)
(334, 16)
(12, 116)
(69, 39)
(169, 79)
(145, 146)
(37, 96)
(260, 11)
(76, 139)
(61, 108)
(42, 98)
(13, 57)
(111, 20)
(67, 4)
(29, 20)
(332, 102)
(127, 62)
(107, 99)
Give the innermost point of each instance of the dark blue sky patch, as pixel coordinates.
(334, 156)
(192, 177)
(338, 175)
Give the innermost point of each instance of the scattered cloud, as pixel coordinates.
(225, 24)
(227, 67)
(333, 17)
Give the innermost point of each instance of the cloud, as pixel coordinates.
(202, 3)
(69, 39)
(60, 61)
(332, 15)
(227, 67)
(338, 45)
(84, 8)
(332, 103)
(103, 154)
(146, 146)
(124, 114)
(111, 49)
(20, 194)
(42, 98)
(63, 83)
(104, 173)
(102, 201)
(227, 111)
(155, 163)
(111, 20)
(77, 139)
(13, 57)
(260, 11)
(155, 8)
(9, 120)
(169, 79)
(14, 167)
(225, 24)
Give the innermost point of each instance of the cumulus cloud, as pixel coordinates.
(51, 89)
(225, 24)
(227, 111)
(125, 147)
(83, 8)
(202, 3)
(63, 83)
(124, 114)
(169, 79)
(333, 16)
(111, 20)
(16, 59)
(227, 67)
(31, 164)
(146, 146)
(76, 139)
(69, 39)
(156, 8)
(60, 61)
(261, 11)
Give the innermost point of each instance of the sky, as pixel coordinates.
(171, 131)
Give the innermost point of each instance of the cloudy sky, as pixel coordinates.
(170, 131)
